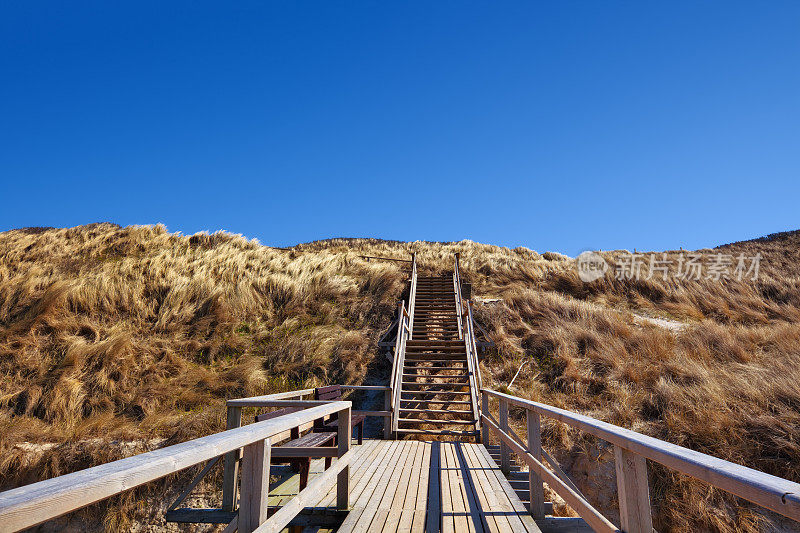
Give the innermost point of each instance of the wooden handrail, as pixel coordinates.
(576, 500)
(405, 330)
(412, 295)
(632, 448)
(33, 504)
(465, 334)
(474, 342)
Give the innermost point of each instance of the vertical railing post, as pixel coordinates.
(343, 443)
(255, 486)
(231, 463)
(484, 410)
(387, 420)
(535, 448)
(505, 452)
(633, 491)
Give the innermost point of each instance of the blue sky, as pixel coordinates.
(558, 126)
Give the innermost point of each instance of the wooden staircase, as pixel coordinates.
(437, 389)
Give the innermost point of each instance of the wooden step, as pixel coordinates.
(437, 376)
(408, 384)
(406, 431)
(413, 342)
(435, 345)
(428, 402)
(461, 379)
(430, 393)
(435, 357)
(434, 421)
(435, 367)
(436, 411)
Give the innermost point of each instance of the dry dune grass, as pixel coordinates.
(137, 334)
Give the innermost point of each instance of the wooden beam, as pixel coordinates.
(387, 422)
(505, 456)
(305, 451)
(484, 410)
(343, 442)
(633, 491)
(535, 449)
(255, 486)
(231, 465)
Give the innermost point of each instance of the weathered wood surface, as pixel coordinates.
(33, 504)
(401, 485)
(772, 492)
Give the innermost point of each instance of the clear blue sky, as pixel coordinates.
(559, 126)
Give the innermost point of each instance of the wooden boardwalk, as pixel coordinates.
(409, 485)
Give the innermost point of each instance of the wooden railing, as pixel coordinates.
(457, 289)
(412, 295)
(282, 399)
(466, 332)
(473, 345)
(33, 504)
(631, 451)
(405, 325)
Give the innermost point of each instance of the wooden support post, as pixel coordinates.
(484, 410)
(505, 455)
(255, 486)
(343, 443)
(633, 491)
(535, 448)
(387, 420)
(231, 464)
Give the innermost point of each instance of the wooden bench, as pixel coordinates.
(287, 452)
(334, 393)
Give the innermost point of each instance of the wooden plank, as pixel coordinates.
(393, 494)
(415, 478)
(352, 519)
(508, 502)
(398, 498)
(305, 451)
(343, 442)
(493, 519)
(535, 487)
(505, 456)
(633, 491)
(379, 483)
(362, 455)
(392, 520)
(230, 467)
(421, 498)
(406, 522)
(419, 522)
(475, 518)
(255, 486)
(365, 472)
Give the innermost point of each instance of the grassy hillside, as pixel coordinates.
(137, 336)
